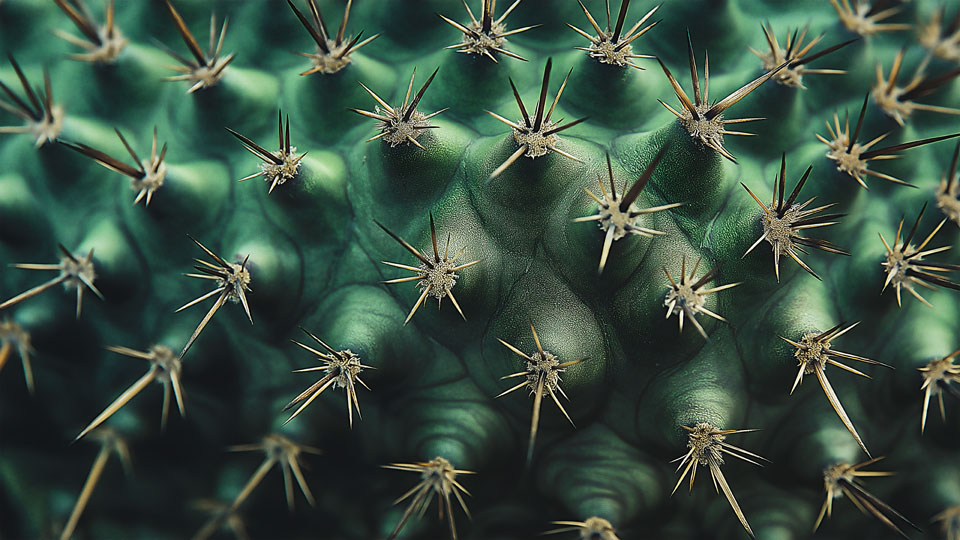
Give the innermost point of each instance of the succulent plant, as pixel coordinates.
(346, 236)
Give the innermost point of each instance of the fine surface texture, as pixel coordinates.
(479, 306)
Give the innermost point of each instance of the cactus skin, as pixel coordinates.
(314, 259)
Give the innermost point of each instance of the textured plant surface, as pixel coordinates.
(301, 244)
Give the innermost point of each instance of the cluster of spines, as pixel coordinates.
(942, 40)
(76, 272)
(843, 479)
(436, 276)
(487, 36)
(796, 54)
(165, 368)
(402, 124)
(232, 282)
(814, 353)
(215, 52)
(612, 46)
(707, 447)
(278, 451)
(784, 221)
(146, 176)
(948, 193)
(14, 338)
(103, 43)
(853, 158)
(207, 67)
(277, 167)
(617, 215)
(864, 18)
(701, 119)
(938, 377)
(897, 102)
(342, 369)
(43, 117)
(685, 297)
(535, 134)
(541, 372)
(905, 266)
(332, 54)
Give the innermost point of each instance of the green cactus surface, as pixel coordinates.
(474, 264)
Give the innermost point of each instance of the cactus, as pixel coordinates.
(383, 204)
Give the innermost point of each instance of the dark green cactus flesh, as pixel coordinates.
(555, 394)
